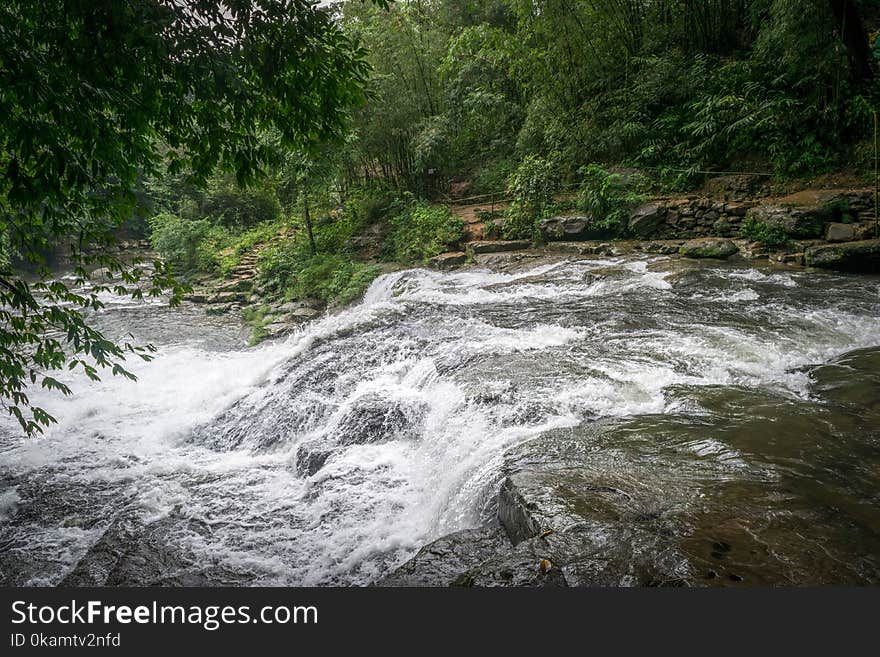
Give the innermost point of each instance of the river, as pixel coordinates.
(744, 400)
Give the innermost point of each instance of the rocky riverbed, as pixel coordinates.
(538, 417)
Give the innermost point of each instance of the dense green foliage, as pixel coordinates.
(330, 277)
(608, 197)
(531, 189)
(420, 230)
(770, 235)
(466, 91)
(95, 96)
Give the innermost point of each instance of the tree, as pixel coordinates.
(94, 94)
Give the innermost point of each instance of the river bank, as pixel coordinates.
(733, 217)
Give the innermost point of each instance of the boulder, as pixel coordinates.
(708, 247)
(102, 274)
(132, 552)
(450, 260)
(862, 256)
(795, 221)
(310, 458)
(646, 219)
(498, 246)
(836, 232)
(565, 228)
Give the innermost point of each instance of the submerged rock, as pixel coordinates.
(134, 553)
(708, 247)
(862, 256)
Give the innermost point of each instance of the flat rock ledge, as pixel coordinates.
(497, 246)
(858, 257)
(556, 527)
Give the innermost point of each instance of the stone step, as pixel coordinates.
(497, 246)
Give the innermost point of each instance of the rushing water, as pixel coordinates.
(330, 457)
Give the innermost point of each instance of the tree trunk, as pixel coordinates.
(312, 248)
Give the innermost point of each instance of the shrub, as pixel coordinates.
(531, 189)
(291, 270)
(770, 235)
(420, 231)
(368, 204)
(178, 240)
(232, 206)
(608, 197)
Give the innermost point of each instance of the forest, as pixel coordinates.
(543, 105)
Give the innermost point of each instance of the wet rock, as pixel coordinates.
(374, 419)
(506, 261)
(102, 274)
(442, 562)
(862, 256)
(499, 246)
(835, 232)
(795, 221)
(131, 553)
(310, 459)
(662, 247)
(521, 567)
(851, 381)
(571, 559)
(576, 248)
(708, 247)
(447, 261)
(646, 219)
(565, 228)
(96, 566)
